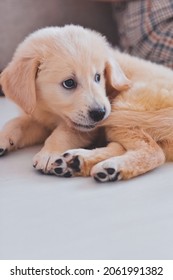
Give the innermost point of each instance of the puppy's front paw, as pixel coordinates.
(106, 171)
(60, 168)
(47, 162)
(72, 163)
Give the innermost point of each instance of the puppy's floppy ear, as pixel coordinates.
(116, 80)
(18, 82)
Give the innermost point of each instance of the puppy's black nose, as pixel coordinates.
(97, 114)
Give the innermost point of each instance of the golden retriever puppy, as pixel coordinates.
(60, 77)
(64, 79)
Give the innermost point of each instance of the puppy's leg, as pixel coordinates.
(79, 162)
(20, 132)
(49, 159)
(143, 154)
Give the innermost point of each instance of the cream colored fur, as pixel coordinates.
(139, 128)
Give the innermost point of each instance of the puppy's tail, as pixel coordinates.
(159, 122)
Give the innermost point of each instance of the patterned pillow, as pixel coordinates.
(146, 29)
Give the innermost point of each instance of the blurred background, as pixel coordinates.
(145, 28)
(18, 18)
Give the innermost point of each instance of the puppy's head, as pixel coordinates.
(67, 71)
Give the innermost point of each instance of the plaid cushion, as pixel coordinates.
(146, 29)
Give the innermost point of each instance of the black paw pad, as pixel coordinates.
(116, 177)
(67, 174)
(110, 171)
(58, 170)
(66, 155)
(96, 179)
(2, 151)
(101, 175)
(59, 161)
(75, 164)
(41, 171)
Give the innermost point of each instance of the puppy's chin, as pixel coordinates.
(80, 126)
(84, 128)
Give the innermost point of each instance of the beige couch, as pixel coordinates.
(20, 17)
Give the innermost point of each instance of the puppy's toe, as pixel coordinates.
(104, 172)
(45, 162)
(75, 162)
(67, 166)
(60, 167)
(2, 152)
(6, 144)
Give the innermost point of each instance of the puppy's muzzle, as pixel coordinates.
(97, 114)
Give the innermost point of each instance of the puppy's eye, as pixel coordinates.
(69, 84)
(97, 78)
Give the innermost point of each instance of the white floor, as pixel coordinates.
(45, 217)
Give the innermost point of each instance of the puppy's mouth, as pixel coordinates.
(80, 126)
(83, 127)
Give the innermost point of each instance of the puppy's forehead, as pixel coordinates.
(69, 47)
(82, 41)
(81, 47)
